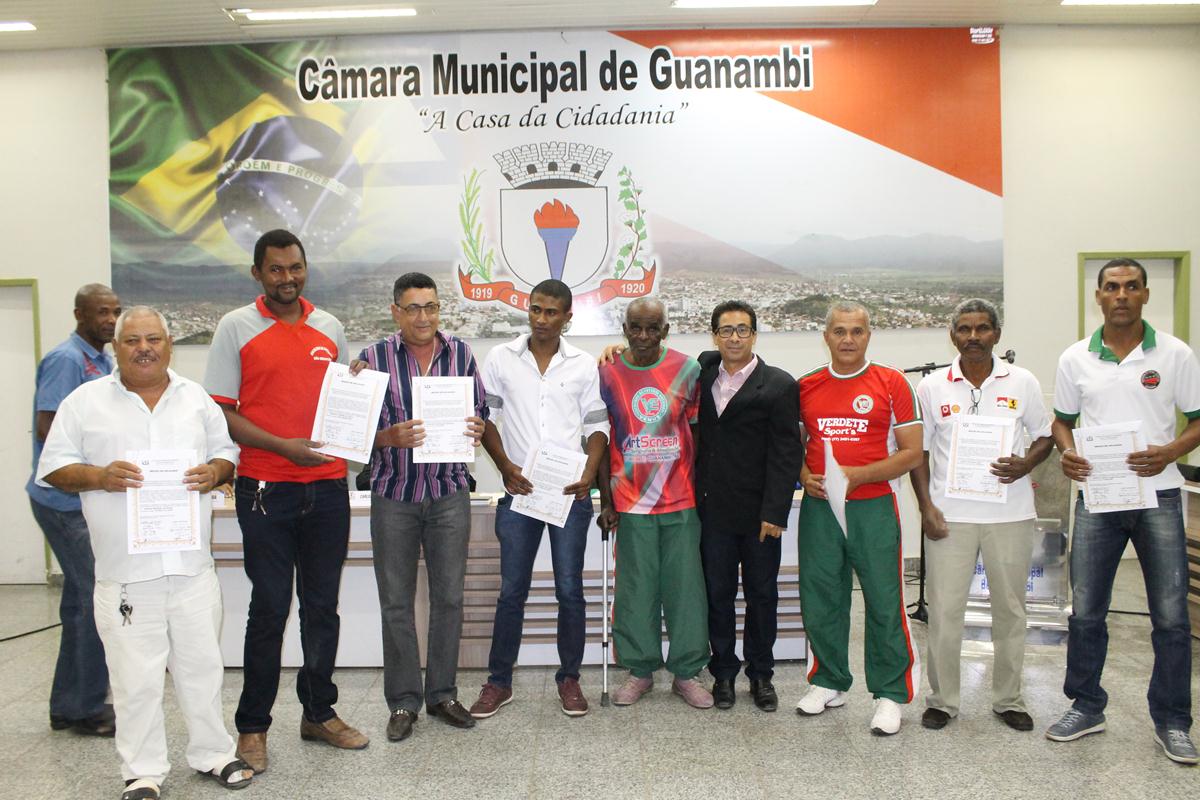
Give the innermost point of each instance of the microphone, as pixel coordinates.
(1009, 355)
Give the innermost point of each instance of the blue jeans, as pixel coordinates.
(520, 537)
(81, 675)
(300, 530)
(1099, 540)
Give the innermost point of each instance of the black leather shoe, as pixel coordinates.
(934, 718)
(453, 713)
(1017, 720)
(400, 725)
(102, 724)
(764, 695)
(723, 694)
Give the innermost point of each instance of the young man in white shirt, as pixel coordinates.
(542, 390)
(1127, 371)
(1000, 526)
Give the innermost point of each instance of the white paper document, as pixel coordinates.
(976, 442)
(163, 516)
(348, 412)
(443, 405)
(1113, 485)
(835, 486)
(549, 469)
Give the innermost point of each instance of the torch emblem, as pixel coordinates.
(556, 223)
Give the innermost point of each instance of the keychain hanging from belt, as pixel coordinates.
(125, 609)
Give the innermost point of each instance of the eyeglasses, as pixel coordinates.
(727, 331)
(429, 308)
(976, 396)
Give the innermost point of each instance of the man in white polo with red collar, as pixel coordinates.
(1128, 371)
(1000, 526)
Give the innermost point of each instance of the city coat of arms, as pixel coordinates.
(555, 222)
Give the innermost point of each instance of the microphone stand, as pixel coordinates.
(921, 610)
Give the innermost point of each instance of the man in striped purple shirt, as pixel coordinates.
(419, 506)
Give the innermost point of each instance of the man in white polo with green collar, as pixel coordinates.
(1128, 371)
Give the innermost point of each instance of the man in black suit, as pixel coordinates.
(749, 459)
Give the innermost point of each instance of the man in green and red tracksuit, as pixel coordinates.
(653, 395)
(868, 415)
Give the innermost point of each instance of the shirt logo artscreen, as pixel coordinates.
(863, 404)
(321, 353)
(649, 404)
(1151, 379)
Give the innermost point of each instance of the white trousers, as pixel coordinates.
(175, 625)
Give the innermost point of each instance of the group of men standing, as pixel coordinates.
(696, 461)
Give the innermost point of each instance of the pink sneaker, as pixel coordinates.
(631, 690)
(692, 692)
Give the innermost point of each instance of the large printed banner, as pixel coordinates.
(783, 167)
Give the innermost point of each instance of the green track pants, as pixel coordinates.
(658, 573)
(871, 547)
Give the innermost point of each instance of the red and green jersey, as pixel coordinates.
(858, 414)
(652, 453)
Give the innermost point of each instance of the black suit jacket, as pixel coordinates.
(749, 458)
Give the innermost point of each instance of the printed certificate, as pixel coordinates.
(550, 469)
(975, 443)
(443, 405)
(162, 515)
(348, 412)
(1113, 485)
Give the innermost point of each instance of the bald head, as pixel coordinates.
(90, 291)
(646, 305)
(96, 312)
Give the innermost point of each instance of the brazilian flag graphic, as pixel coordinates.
(209, 148)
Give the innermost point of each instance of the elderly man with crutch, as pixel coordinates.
(648, 499)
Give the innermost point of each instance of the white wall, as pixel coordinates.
(54, 177)
(1099, 154)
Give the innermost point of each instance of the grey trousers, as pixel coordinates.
(399, 531)
(1007, 549)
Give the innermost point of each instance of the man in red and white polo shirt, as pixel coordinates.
(265, 369)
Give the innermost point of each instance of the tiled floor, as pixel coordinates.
(656, 749)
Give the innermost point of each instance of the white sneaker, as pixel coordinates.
(887, 717)
(817, 699)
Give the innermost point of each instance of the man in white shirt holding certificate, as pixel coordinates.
(157, 600)
(546, 395)
(1127, 372)
(975, 495)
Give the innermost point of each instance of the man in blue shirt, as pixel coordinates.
(81, 676)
